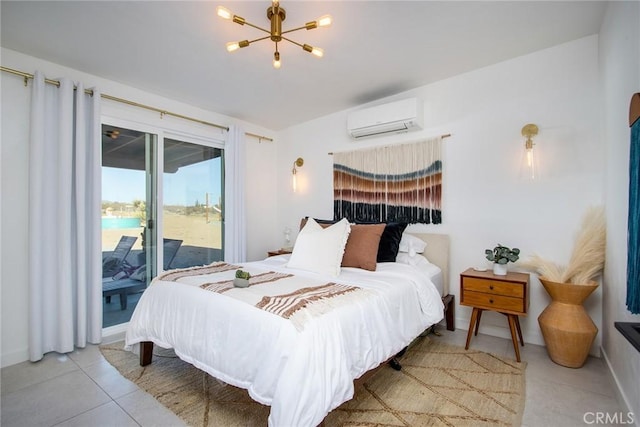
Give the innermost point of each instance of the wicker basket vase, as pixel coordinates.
(567, 329)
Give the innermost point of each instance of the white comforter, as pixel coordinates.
(302, 373)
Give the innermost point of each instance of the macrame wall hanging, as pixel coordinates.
(398, 183)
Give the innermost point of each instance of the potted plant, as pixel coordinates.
(566, 327)
(500, 256)
(242, 279)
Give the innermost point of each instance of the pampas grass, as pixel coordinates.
(587, 258)
(545, 268)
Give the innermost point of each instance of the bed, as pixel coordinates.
(300, 361)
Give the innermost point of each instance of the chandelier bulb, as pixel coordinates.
(233, 46)
(325, 21)
(224, 13)
(276, 60)
(313, 50)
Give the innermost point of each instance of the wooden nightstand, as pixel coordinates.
(508, 295)
(278, 252)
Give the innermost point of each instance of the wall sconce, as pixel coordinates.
(294, 180)
(531, 163)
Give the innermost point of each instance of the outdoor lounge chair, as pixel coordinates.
(136, 280)
(113, 263)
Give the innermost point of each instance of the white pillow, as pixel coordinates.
(416, 261)
(318, 249)
(411, 244)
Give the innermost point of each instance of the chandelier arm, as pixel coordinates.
(294, 29)
(294, 42)
(258, 28)
(257, 40)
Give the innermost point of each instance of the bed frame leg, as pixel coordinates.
(146, 353)
(395, 364)
(450, 311)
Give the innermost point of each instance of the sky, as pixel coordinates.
(188, 184)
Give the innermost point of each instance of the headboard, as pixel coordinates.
(437, 252)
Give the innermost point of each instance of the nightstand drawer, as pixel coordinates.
(493, 302)
(493, 287)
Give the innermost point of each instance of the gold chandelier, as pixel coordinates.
(276, 15)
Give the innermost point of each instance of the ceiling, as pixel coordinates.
(126, 149)
(373, 49)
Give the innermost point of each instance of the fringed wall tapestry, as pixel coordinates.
(633, 224)
(399, 183)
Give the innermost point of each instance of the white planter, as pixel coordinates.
(499, 269)
(240, 283)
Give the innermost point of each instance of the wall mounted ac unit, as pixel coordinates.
(395, 117)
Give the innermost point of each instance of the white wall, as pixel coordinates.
(620, 72)
(485, 202)
(260, 162)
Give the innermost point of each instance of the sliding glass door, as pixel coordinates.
(129, 187)
(192, 204)
(151, 224)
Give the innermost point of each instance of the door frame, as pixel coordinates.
(162, 132)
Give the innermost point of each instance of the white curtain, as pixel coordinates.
(65, 288)
(235, 218)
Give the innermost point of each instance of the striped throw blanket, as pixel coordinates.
(298, 306)
(307, 300)
(225, 285)
(216, 267)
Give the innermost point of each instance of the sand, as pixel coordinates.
(193, 230)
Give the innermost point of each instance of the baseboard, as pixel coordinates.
(15, 357)
(109, 335)
(500, 332)
(621, 397)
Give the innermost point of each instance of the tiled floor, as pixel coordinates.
(555, 395)
(84, 390)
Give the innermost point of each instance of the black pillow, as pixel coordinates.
(325, 221)
(390, 241)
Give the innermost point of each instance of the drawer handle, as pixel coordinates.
(491, 287)
(490, 301)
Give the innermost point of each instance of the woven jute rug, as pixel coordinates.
(439, 385)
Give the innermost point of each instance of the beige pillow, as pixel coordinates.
(362, 246)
